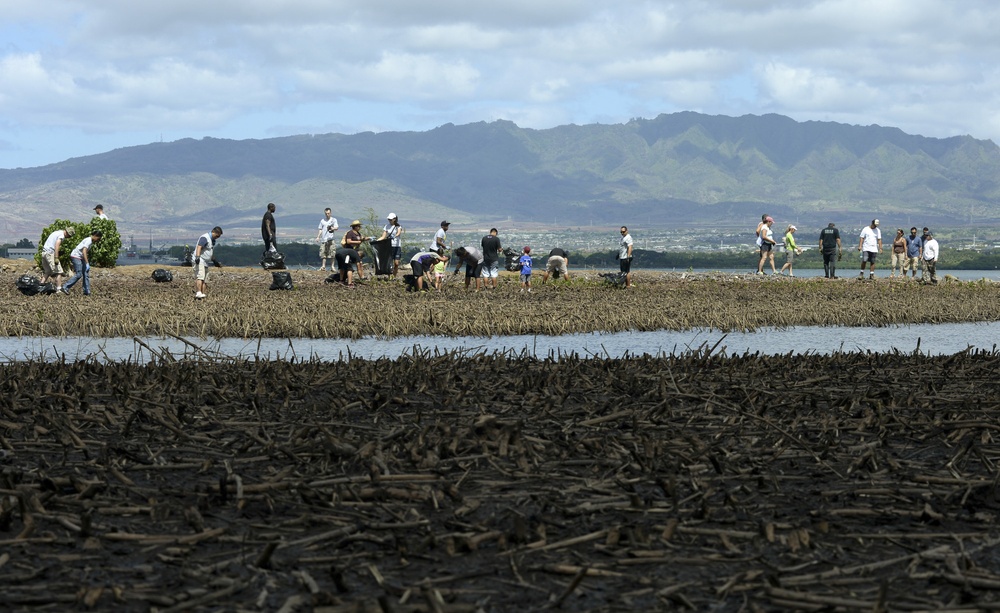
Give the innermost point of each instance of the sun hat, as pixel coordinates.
(356, 222)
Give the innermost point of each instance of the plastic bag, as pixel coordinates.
(281, 280)
(162, 276)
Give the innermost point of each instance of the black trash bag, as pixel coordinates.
(334, 278)
(281, 280)
(28, 285)
(46, 289)
(410, 282)
(162, 276)
(511, 260)
(614, 278)
(382, 251)
(273, 260)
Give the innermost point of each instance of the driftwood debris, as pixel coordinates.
(454, 482)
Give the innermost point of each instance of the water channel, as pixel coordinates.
(928, 339)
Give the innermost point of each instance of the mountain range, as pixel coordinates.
(681, 169)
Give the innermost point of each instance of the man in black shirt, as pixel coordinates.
(491, 258)
(829, 245)
(267, 229)
(558, 264)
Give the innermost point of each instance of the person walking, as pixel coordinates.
(791, 250)
(898, 257)
(830, 247)
(525, 263)
(869, 245)
(491, 258)
(767, 244)
(914, 252)
(51, 265)
(440, 241)
(394, 232)
(930, 256)
(268, 231)
(204, 257)
(325, 237)
(625, 256)
(80, 258)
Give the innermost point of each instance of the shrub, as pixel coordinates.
(103, 254)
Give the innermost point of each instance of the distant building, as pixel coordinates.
(20, 253)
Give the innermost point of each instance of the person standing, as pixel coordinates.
(204, 257)
(625, 256)
(870, 245)
(914, 251)
(394, 232)
(930, 256)
(327, 247)
(525, 263)
(767, 244)
(491, 258)
(791, 250)
(473, 260)
(439, 242)
(923, 241)
(353, 240)
(51, 265)
(99, 212)
(830, 247)
(267, 229)
(80, 258)
(557, 264)
(898, 257)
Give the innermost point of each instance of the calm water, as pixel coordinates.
(936, 339)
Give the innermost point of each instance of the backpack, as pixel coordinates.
(281, 280)
(162, 276)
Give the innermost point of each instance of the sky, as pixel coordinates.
(79, 77)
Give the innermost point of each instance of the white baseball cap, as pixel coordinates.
(875, 222)
(391, 216)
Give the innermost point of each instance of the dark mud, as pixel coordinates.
(448, 483)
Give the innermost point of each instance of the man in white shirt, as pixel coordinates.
(327, 247)
(625, 256)
(50, 256)
(439, 244)
(80, 258)
(99, 211)
(930, 255)
(870, 245)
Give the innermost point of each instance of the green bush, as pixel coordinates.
(103, 254)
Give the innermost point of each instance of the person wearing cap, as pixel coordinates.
(394, 232)
(791, 250)
(897, 259)
(924, 237)
(50, 256)
(204, 256)
(421, 265)
(439, 243)
(267, 229)
(353, 240)
(767, 244)
(473, 260)
(99, 212)
(930, 257)
(557, 264)
(80, 258)
(870, 245)
(829, 245)
(525, 263)
(327, 247)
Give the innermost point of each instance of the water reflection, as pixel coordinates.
(929, 339)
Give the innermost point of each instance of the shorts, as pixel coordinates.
(473, 270)
(765, 248)
(556, 263)
(491, 270)
(526, 278)
(417, 269)
(50, 264)
(200, 270)
(868, 257)
(397, 253)
(910, 263)
(346, 262)
(625, 265)
(328, 249)
(789, 256)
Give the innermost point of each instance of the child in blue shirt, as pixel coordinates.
(525, 262)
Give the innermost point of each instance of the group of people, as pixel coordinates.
(79, 257)
(908, 252)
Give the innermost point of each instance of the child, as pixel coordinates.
(439, 270)
(525, 262)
